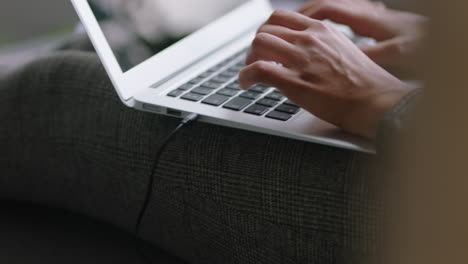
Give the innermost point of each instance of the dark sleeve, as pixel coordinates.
(395, 123)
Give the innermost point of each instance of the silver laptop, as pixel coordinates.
(198, 74)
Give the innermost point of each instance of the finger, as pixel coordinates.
(305, 7)
(284, 33)
(384, 53)
(266, 73)
(267, 47)
(361, 25)
(310, 4)
(289, 19)
(321, 11)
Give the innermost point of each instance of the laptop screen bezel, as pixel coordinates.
(178, 56)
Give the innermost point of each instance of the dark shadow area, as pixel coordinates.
(35, 234)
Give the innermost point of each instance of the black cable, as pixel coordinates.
(185, 122)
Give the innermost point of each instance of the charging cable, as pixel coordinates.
(185, 122)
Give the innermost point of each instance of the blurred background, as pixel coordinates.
(30, 28)
(26, 19)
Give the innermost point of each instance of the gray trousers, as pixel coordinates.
(220, 195)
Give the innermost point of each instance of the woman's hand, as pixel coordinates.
(399, 34)
(322, 71)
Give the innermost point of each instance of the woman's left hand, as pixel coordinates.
(323, 72)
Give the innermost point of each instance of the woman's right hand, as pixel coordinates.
(322, 71)
(399, 34)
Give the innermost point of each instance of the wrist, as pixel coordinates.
(372, 110)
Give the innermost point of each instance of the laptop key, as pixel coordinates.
(228, 92)
(175, 93)
(288, 109)
(257, 109)
(237, 68)
(276, 91)
(234, 70)
(215, 68)
(235, 86)
(202, 90)
(267, 102)
(221, 79)
(279, 116)
(259, 89)
(212, 85)
(205, 75)
(289, 102)
(242, 52)
(216, 99)
(223, 63)
(250, 95)
(228, 74)
(186, 87)
(240, 64)
(275, 96)
(197, 80)
(192, 97)
(238, 103)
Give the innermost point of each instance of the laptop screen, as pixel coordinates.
(139, 29)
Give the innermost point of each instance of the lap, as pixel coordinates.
(220, 194)
(67, 140)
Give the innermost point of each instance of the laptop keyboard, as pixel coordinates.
(219, 87)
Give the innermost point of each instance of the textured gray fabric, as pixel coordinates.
(220, 195)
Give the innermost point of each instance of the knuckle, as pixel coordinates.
(279, 13)
(260, 68)
(319, 26)
(309, 39)
(260, 39)
(295, 37)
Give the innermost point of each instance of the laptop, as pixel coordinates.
(198, 74)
